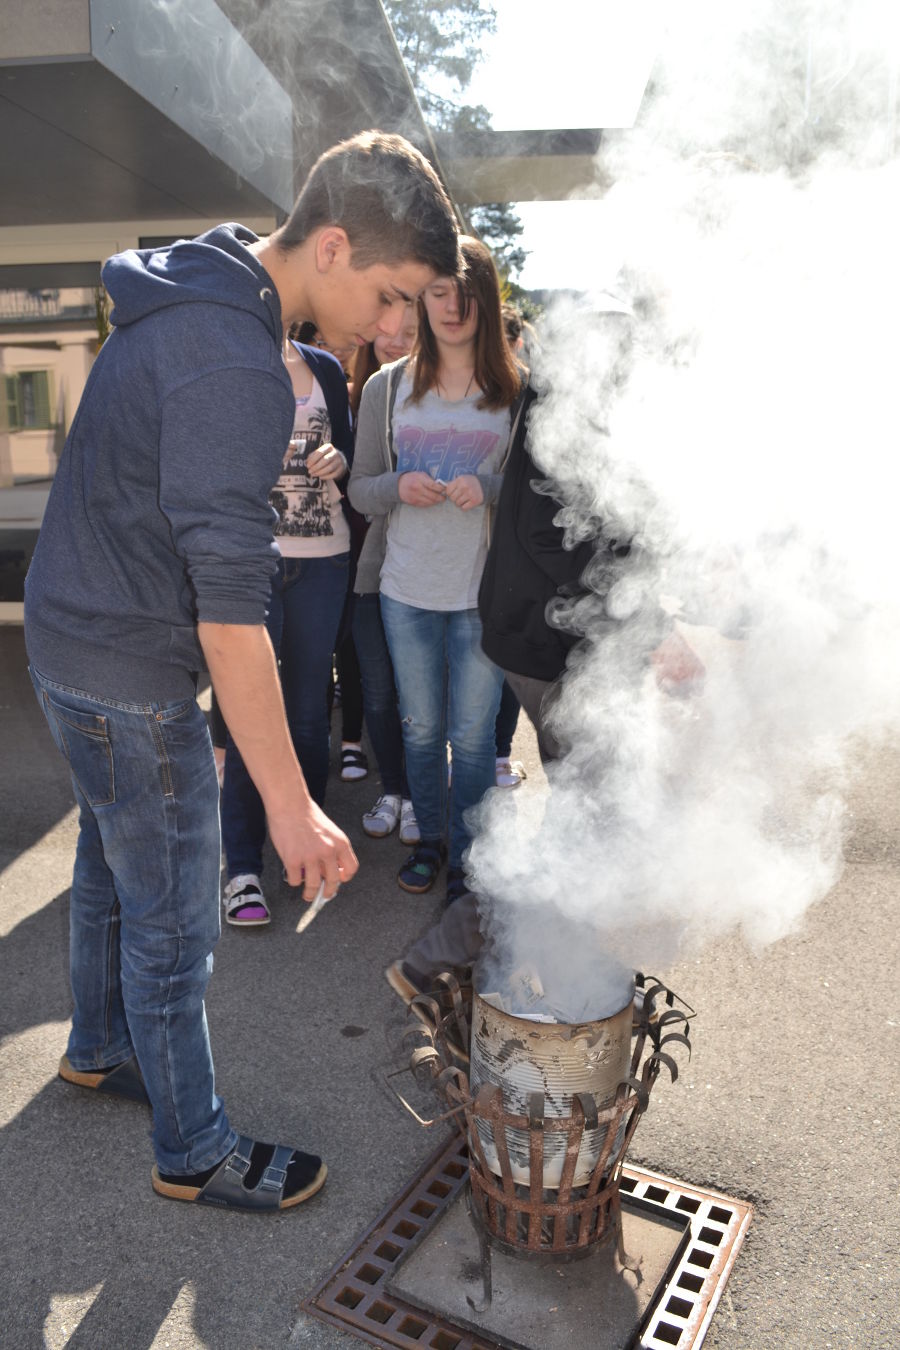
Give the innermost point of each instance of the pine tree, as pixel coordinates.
(440, 42)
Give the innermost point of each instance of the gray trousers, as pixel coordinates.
(456, 940)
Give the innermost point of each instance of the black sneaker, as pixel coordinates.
(405, 981)
(456, 884)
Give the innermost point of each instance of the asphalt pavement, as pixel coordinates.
(789, 1101)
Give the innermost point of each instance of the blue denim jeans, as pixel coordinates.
(379, 693)
(308, 596)
(144, 912)
(448, 690)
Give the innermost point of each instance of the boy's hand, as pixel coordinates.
(312, 849)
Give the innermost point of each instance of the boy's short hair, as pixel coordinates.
(386, 196)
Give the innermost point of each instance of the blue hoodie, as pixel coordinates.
(158, 517)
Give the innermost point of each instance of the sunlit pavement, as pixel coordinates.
(790, 1100)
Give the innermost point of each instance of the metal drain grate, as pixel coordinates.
(682, 1310)
(355, 1295)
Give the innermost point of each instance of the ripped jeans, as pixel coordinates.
(448, 690)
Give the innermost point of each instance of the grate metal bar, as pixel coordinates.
(682, 1311)
(354, 1295)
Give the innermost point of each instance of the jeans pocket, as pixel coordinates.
(83, 738)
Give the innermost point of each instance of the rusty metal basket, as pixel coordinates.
(526, 1218)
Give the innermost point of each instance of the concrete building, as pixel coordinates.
(126, 123)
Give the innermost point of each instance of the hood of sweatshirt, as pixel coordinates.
(159, 516)
(215, 268)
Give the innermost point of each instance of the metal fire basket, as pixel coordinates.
(512, 1206)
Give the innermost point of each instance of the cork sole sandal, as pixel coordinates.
(226, 1189)
(123, 1081)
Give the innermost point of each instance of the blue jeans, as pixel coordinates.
(448, 690)
(144, 912)
(308, 596)
(379, 693)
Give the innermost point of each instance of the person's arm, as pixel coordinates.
(334, 459)
(373, 489)
(222, 441)
(245, 677)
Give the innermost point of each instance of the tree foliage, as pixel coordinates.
(440, 42)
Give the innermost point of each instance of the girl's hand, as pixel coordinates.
(420, 489)
(466, 491)
(326, 462)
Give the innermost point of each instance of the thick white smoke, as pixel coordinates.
(746, 446)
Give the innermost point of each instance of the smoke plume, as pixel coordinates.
(739, 430)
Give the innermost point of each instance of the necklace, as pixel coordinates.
(443, 393)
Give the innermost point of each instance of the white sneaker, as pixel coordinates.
(244, 903)
(510, 773)
(383, 817)
(409, 827)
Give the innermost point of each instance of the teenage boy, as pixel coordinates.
(155, 561)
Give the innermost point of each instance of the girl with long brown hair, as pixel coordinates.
(431, 444)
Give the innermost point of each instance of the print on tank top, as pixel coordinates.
(303, 502)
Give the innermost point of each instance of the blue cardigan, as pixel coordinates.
(330, 374)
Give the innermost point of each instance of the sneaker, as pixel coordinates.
(456, 884)
(405, 981)
(510, 773)
(419, 873)
(409, 984)
(244, 903)
(354, 763)
(382, 819)
(409, 826)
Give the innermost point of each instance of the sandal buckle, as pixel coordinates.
(237, 1167)
(273, 1179)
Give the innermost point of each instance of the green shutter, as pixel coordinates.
(41, 383)
(11, 404)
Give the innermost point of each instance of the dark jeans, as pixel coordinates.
(379, 693)
(347, 664)
(507, 719)
(144, 910)
(307, 602)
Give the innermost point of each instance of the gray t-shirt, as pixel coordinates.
(435, 555)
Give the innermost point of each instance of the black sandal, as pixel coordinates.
(226, 1188)
(354, 764)
(123, 1080)
(419, 872)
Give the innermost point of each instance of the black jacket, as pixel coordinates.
(528, 569)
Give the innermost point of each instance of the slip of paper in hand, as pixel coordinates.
(313, 908)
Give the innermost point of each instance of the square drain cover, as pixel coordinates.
(405, 1282)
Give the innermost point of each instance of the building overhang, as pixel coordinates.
(519, 166)
(133, 110)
